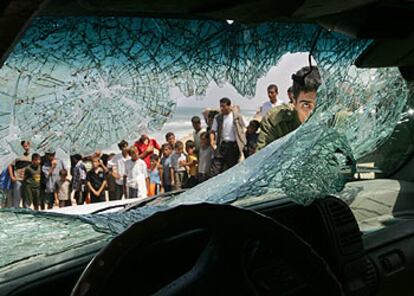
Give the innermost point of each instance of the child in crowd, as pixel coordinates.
(251, 138)
(50, 169)
(136, 174)
(154, 176)
(16, 172)
(117, 167)
(62, 192)
(78, 179)
(178, 170)
(31, 183)
(166, 178)
(191, 164)
(205, 155)
(170, 138)
(96, 181)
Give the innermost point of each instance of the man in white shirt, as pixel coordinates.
(196, 122)
(117, 167)
(136, 175)
(227, 138)
(272, 92)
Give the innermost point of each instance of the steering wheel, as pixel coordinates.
(229, 239)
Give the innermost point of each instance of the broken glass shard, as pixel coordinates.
(83, 83)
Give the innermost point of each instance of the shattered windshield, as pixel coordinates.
(66, 234)
(84, 83)
(69, 80)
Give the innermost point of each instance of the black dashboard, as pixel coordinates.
(365, 265)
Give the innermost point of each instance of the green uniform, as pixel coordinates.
(31, 186)
(278, 122)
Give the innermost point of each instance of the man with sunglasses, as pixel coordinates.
(286, 118)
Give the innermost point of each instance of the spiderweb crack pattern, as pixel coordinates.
(83, 83)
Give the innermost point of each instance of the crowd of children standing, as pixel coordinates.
(140, 170)
(147, 168)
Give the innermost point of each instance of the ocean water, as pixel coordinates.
(180, 123)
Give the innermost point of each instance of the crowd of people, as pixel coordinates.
(146, 168)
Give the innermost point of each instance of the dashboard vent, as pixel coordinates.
(340, 214)
(347, 230)
(371, 277)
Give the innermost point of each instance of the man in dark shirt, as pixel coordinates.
(227, 137)
(251, 137)
(31, 183)
(111, 181)
(96, 181)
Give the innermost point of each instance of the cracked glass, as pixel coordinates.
(29, 235)
(83, 83)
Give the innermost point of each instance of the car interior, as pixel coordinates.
(364, 247)
(366, 260)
